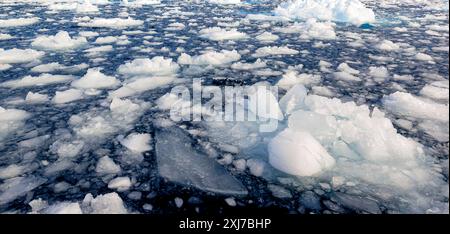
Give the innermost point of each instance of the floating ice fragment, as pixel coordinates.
(120, 183)
(95, 79)
(109, 203)
(137, 143)
(67, 96)
(158, 66)
(106, 165)
(14, 188)
(221, 34)
(60, 42)
(13, 56)
(43, 79)
(298, 153)
(210, 58)
(181, 163)
(274, 50)
(351, 11)
(116, 23)
(18, 22)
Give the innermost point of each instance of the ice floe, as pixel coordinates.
(210, 58)
(95, 79)
(60, 42)
(18, 22)
(183, 164)
(137, 142)
(298, 153)
(221, 34)
(116, 23)
(158, 66)
(70, 95)
(13, 56)
(44, 79)
(274, 50)
(351, 11)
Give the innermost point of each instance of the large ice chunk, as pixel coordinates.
(14, 188)
(408, 105)
(43, 79)
(351, 11)
(109, 203)
(298, 153)
(95, 79)
(137, 142)
(179, 162)
(60, 42)
(19, 55)
(18, 22)
(116, 23)
(210, 58)
(157, 66)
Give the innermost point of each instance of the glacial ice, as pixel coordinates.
(221, 34)
(374, 97)
(115, 23)
(43, 79)
(106, 165)
(210, 58)
(157, 66)
(109, 203)
(11, 120)
(16, 187)
(120, 184)
(67, 96)
(225, 2)
(95, 79)
(60, 42)
(137, 142)
(181, 163)
(405, 104)
(18, 22)
(274, 50)
(13, 56)
(351, 11)
(141, 85)
(298, 153)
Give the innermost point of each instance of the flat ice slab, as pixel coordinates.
(179, 162)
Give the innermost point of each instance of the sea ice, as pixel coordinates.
(137, 143)
(181, 163)
(95, 79)
(14, 188)
(141, 85)
(60, 42)
(221, 34)
(351, 11)
(44, 79)
(298, 153)
(70, 95)
(19, 56)
(158, 66)
(18, 22)
(274, 50)
(120, 184)
(106, 165)
(109, 203)
(116, 23)
(210, 58)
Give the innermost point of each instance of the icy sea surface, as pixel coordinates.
(85, 126)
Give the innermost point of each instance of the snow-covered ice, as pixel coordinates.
(59, 42)
(351, 11)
